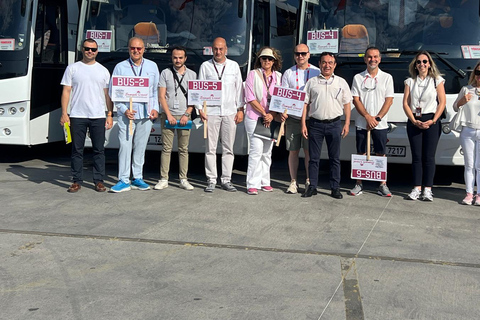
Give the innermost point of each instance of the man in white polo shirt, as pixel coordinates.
(372, 92)
(295, 78)
(222, 119)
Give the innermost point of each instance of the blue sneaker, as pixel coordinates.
(120, 187)
(139, 184)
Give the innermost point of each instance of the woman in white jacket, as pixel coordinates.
(468, 107)
(258, 91)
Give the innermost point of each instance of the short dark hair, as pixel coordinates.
(89, 40)
(372, 48)
(326, 53)
(180, 48)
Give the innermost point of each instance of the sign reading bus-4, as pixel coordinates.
(290, 99)
(200, 91)
(124, 88)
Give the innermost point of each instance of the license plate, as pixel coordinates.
(396, 151)
(155, 140)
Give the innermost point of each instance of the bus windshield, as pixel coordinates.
(448, 27)
(167, 23)
(13, 24)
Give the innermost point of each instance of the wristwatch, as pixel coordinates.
(186, 114)
(240, 109)
(378, 119)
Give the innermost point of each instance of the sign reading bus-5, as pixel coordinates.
(124, 88)
(374, 169)
(200, 91)
(290, 99)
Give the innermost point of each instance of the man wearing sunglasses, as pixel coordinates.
(372, 92)
(222, 119)
(142, 115)
(295, 78)
(85, 87)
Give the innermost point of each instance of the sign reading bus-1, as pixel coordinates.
(124, 88)
(103, 39)
(208, 91)
(323, 40)
(374, 169)
(290, 99)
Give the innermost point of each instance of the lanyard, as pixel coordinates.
(424, 89)
(132, 64)
(267, 82)
(308, 75)
(179, 82)
(223, 70)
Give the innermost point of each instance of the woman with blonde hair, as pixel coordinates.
(423, 102)
(468, 107)
(258, 91)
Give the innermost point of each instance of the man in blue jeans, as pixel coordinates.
(85, 87)
(328, 97)
(141, 115)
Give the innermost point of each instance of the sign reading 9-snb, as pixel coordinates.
(124, 88)
(208, 91)
(290, 99)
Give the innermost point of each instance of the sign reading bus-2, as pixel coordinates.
(290, 99)
(209, 91)
(374, 169)
(124, 88)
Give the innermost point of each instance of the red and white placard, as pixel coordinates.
(124, 87)
(7, 44)
(374, 169)
(103, 39)
(286, 98)
(323, 40)
(209, 91)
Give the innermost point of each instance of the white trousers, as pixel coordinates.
(470, 139)
(259, 158)
(225, 127)
(138, 142)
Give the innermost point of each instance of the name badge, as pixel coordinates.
(418, 112)
(176, 104)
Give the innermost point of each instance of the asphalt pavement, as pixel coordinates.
(175, 254)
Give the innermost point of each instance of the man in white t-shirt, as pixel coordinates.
(85, 86)
(372, 92)
(295, 78)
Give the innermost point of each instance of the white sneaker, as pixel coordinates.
(292, 188)
(184, 184)
(162, 184)
(414, 194)
(427, 195)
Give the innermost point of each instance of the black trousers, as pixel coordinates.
(78, 129)
(423, 144)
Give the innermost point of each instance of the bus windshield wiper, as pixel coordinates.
(453, 67)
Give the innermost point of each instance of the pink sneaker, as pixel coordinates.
(267, 189)
(468, 200)
(252, 191)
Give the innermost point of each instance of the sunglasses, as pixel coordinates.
(90, 49)
(300, 54)
(476, 72)
(136, 48)
(422, 61)
(267, 58)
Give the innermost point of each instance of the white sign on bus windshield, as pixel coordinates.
(103, 39)
(323, 40)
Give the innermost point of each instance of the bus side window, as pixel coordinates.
(50, 41)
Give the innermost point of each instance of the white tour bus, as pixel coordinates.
(247, 25)
(449, 30)
(37, 42)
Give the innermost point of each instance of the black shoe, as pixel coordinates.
(336, 194)
(311, 191)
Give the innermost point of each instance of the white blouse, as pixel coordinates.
(423, 93)
(469, 112)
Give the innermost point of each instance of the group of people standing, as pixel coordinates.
(87, 88)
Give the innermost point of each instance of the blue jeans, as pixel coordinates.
(332, 132)
(96, 128)
(138, 142)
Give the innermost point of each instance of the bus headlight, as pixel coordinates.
(446, 128)
(12, 110)
(7, 131)
(2, 111)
